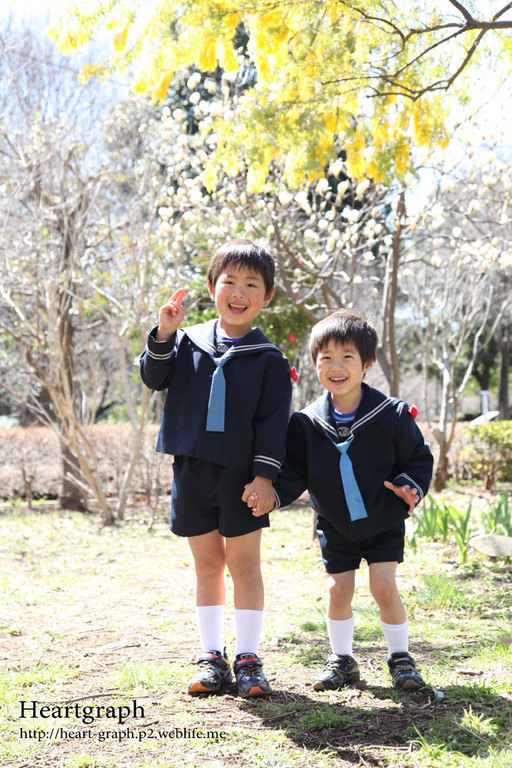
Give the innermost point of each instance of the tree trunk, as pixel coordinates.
(441, 472)
(503, 338)
(387, 354)
(70, 494)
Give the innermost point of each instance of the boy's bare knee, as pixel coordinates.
(384, 592)
(243, 568)
(340, 587)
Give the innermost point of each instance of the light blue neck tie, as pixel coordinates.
(355, 503)
(217, 401)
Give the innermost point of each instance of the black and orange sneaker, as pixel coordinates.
(249, 676)
(214, 672)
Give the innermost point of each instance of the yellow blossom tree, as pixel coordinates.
(370, 76)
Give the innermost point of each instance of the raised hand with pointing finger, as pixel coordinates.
(171, 316)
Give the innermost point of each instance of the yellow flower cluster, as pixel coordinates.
(317, 84)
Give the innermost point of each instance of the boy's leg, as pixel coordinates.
(385, 592)
(243, 561)
(394, 625)
(340, 619)
(340, 668)
(209, 555)
(244, 565)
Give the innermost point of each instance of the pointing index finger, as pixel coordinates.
(177, 296)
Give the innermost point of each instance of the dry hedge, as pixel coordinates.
(30, 460)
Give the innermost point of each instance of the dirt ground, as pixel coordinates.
(104, 616)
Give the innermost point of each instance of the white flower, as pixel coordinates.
(322, 187)
(230, 76)
(211, 86)
(322, 225)
(195, 97)
(342, 188)
(456, 232)
(351, 214)
(362, 188)
(195, 196)
(336, 167)
(194, 81)
(285, 197)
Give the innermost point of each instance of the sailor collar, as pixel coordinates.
(372, 405)
(203, 336)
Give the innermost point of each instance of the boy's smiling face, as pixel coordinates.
(239, 295)
(340, 370)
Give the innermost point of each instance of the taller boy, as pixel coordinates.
(224, 420)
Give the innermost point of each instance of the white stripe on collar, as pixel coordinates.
(374, 412)
(314, 416)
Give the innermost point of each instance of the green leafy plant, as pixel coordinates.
(490, 454)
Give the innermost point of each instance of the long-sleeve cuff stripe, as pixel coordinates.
(268, 460)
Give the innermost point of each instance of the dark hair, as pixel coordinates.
(341, 327)
(243, 253)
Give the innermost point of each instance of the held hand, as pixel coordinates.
(259, 496)
(171, 316)
(406, 493)
(252, 502)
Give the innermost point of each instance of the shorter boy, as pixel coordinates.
(366, 466)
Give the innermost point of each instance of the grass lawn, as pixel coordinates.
(102, 617)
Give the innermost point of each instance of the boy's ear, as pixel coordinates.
(269, 297)
(368, 365)
(211, 289)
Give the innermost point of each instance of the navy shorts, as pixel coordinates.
(341, 554)
(208, 497)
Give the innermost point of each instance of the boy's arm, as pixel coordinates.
(157, 360)
(292, 479)
(415, 462)
(271, 418)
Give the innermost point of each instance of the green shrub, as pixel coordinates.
(490, 455)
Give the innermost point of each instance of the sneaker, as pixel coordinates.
(403, 672)
(250, 678)
(337, 672)
(214, 672)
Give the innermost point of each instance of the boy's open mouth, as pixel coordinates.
(237, 309)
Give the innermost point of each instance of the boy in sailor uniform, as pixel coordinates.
(366, 466)
(224, 420)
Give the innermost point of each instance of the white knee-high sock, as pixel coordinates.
(248, 625)
(397, 637)
(341, 635)
(210, 621)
